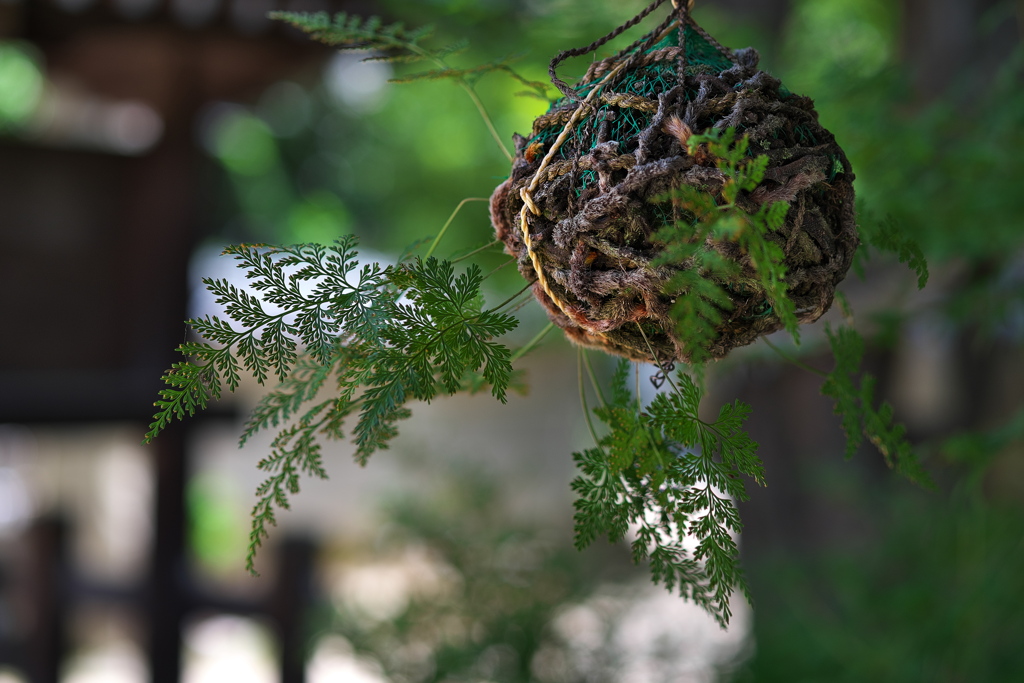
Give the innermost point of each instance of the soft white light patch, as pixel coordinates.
(228, 648)
(16, 507)
(663, 637)
(11, 676)
(131, 127)
(124, 503)
(70, 116)
(360, 86)
(113, 662)
(333, 661)
(647, 635)
(382, 590)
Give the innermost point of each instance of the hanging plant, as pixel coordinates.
(674, 204)
(625, 168)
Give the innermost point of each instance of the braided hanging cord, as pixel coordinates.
(562, 86)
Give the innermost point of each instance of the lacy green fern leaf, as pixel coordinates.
(351, 32)
(670, 474)
(278, 406)
(430, 345)
(333, 317)
(886, 235)
(856, 407)
(701, 302)
(295, 451)
(190, 389)
(847, 349)
(743, 173)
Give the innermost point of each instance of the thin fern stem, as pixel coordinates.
(800, 364)
(639, 410)
(522, 351)
(526, 300)
(509, 300)
(581, 356)
(593, 378)
(486, 117)
(477, 251)
(502, 266)
(444, 229)
(471, 91)
(636, 389)
(522, 302)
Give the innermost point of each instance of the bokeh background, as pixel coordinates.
(139, 137)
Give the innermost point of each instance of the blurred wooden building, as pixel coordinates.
(99, 214)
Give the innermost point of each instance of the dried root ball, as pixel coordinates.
(598, 201)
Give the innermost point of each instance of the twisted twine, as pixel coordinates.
(618, 99)
(677, 18)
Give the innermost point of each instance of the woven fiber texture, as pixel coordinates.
(580, 219)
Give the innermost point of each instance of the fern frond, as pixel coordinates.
(458, 47)
(886, 235)
(318, 313)
(743, 174)
(278, 406)
(190, 389)
(669, 473)
(352, 32)
(434, 342)
(699, 286)
(856, 407)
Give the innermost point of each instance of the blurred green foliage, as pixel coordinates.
(398, 158)
(933, 591)
(21, 83)
(485, 589)
(217, 525)
(941, 169)
(936, 595)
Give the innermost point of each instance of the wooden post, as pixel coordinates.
(47, 641)
(165, 605)
(290, 605)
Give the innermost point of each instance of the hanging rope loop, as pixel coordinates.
(680, 13)
(562, 86)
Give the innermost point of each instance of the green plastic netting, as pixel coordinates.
(645, 82)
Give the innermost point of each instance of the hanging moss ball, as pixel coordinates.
(593, 207)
